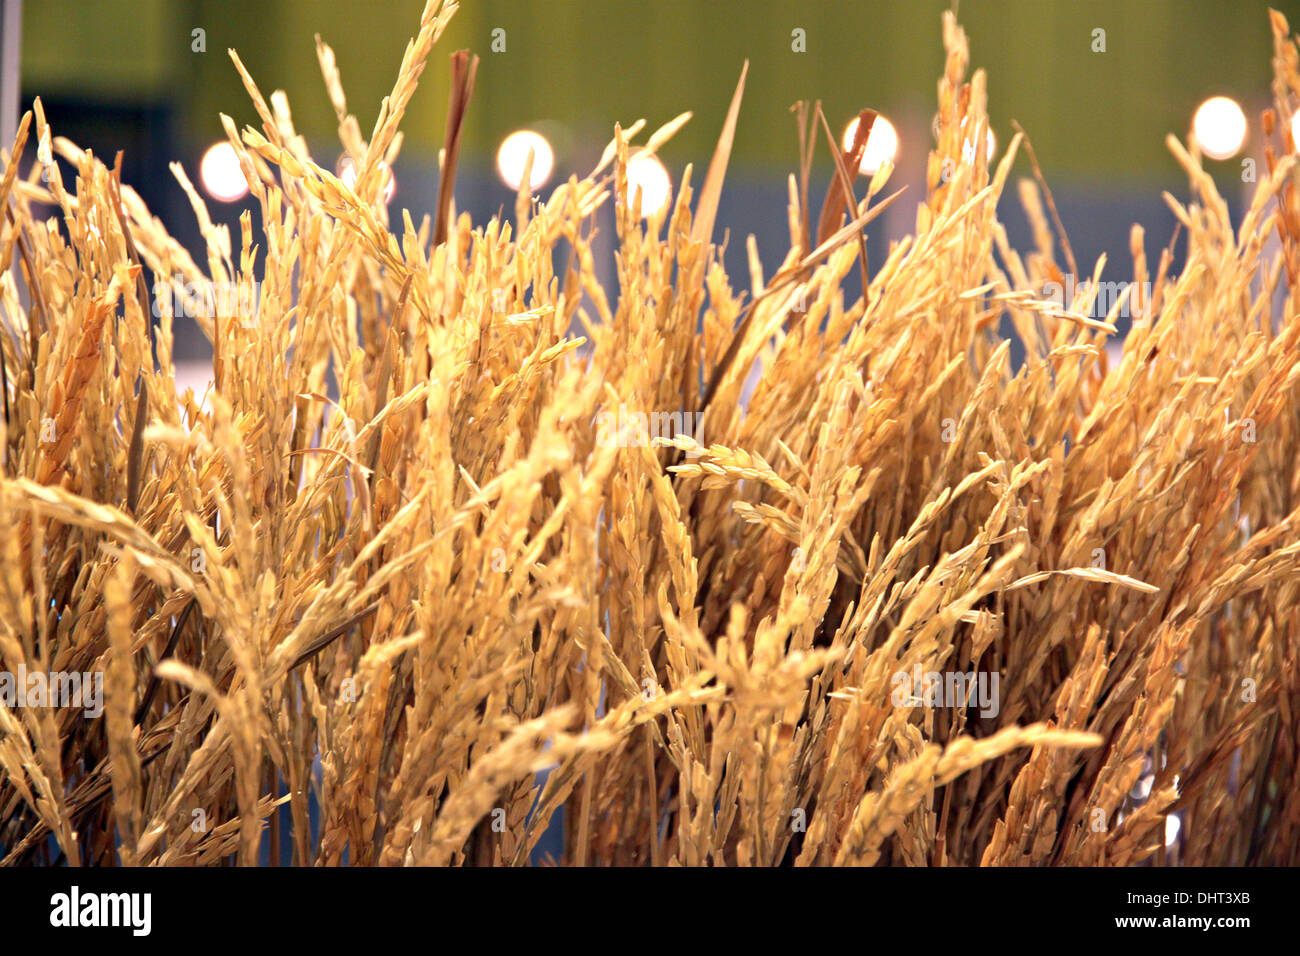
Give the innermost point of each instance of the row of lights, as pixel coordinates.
(224, 181)
(1218, 126)
(644, 173)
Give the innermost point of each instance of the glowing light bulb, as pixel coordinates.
(882, 144)
(1219, 127)
(513, 153)
(348, 173)
(220, 173)
(649, 175)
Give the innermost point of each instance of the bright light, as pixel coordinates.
(348, 173)
(882, 144)
(1295, 132)
(1219, 127)
(220, 173)
(514, 153)
(1172, 826)
(649, 175)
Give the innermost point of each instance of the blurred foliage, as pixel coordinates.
(592, 62)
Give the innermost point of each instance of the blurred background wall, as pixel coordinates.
(125, 74)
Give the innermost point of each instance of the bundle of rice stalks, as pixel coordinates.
(424, 572)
